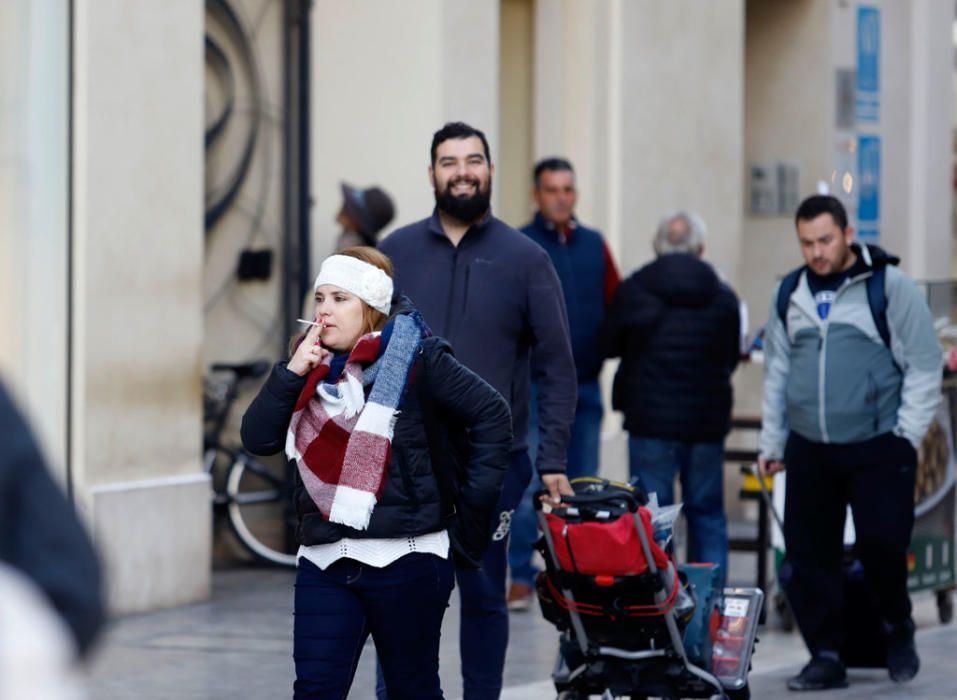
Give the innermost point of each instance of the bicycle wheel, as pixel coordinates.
(259, 505)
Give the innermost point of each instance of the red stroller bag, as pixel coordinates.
(610, 548)
(622, 608)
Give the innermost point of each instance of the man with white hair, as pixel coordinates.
(676, 326)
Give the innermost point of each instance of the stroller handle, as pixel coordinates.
(588, 499)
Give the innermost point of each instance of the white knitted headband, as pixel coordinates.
(368, 282)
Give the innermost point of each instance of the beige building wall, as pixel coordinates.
(513, 171)
(930, 106)
(682, 123)
(789, 116)
(34, 187)
(647, 103)
(137, 303)
(385, 77)
(578, 90)
(648, 106)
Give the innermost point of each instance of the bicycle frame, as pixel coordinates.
(248, 482)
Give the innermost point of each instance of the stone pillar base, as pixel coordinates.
(154, 538)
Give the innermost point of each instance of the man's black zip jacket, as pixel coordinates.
(495, 298)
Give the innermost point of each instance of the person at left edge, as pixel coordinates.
(494, 294)
(41, 536)
(351, 407)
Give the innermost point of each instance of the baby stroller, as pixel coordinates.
(631, 624)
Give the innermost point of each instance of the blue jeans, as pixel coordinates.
(483, 631)
(583, 458)
(400, 605)
(701, 468)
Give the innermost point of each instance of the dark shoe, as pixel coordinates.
(902, 660)
(821, 673)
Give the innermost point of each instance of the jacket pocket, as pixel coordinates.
(401, 462)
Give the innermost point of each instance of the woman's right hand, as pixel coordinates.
(309, 353)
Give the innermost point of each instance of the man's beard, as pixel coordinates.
(465, 209)
(840, 262)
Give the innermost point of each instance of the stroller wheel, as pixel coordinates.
(739, 694)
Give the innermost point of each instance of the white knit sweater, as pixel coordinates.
(376, 552)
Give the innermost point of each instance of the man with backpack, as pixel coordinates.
(851, 383)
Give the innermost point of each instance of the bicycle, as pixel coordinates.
(257, 501)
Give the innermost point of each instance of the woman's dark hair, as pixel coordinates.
(818, 204)
(458, 130)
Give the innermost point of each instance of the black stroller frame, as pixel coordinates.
(586, 666)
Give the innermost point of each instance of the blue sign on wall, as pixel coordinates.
(868, 98)
(869, 179)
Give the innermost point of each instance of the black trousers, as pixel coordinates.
(876, 477)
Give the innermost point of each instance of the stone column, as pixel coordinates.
(137, 300)
(931, 188)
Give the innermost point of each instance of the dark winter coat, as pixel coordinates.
(589, 278)
(412, 501)
(676, 327)
(40, 534)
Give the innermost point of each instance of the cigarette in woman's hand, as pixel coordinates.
(310, 323)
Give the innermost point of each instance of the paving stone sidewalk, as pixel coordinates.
(238, 645)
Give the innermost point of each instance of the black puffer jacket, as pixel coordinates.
(676, 327)
(411, 502)
(41, 535)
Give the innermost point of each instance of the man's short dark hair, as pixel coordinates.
(458, 130)
(818, 204)
(551, 165)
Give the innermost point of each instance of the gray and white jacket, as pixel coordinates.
(835, 381)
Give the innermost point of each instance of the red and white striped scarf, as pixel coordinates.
(342, 442)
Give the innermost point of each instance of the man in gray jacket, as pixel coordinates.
(851, 383)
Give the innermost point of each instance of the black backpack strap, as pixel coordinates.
(788, 285)
(877, 299)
